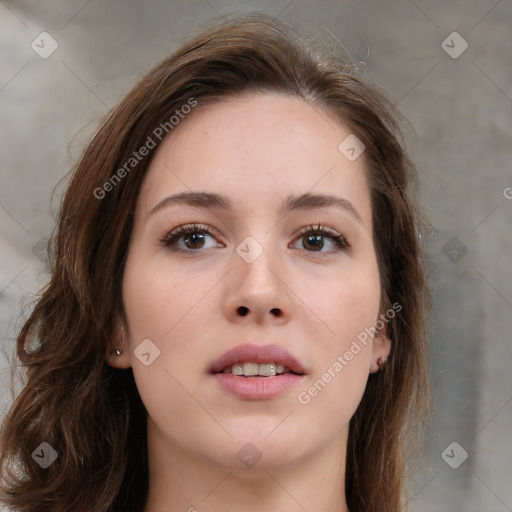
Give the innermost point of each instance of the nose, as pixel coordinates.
(257, 292)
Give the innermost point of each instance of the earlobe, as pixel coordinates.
(380, 352)
(381, 362)
(116, 354)
(117, 359)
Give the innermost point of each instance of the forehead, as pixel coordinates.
(256, 149)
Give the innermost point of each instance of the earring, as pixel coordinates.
(381, 362)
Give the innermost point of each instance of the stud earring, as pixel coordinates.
(381, 362)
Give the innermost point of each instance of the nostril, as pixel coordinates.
(242, 310)
(275, 311)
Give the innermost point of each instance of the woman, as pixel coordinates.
(236, 312)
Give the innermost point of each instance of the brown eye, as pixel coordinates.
(190, 238)
(320, 239)
(313, 242)
(194, 240)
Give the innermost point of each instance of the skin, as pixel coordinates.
(257, 150)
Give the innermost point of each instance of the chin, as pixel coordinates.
(252, 449)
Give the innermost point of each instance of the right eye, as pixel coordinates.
(190, 238)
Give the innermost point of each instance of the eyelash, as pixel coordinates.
(171, 237)
(338, 239)
(186, 229)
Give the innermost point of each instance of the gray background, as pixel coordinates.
(460, 113)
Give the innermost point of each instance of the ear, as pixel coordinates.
(117, 352)
(381, 347)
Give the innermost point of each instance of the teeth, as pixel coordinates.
(237, 369)
(250, 369)
(268, 369)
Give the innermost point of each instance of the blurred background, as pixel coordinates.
(448, 65)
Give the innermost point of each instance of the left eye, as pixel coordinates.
(320, 239)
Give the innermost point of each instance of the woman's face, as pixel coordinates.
(252, 237)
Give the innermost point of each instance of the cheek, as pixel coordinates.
(166, 307)
(158, 298)
(342, 306)
(174, 309)
(347, 307)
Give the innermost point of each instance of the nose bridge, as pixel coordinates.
(255, 266)
(256, 290)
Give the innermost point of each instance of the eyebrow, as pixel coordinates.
(198, 199)
(211, 200)
(311, 201)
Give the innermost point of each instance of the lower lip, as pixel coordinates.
(257, 388)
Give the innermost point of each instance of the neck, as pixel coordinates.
(181, 480)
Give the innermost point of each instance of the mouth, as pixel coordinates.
(251, 360)
(254, 369)
(257, 372)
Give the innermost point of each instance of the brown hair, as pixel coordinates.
(91, 413)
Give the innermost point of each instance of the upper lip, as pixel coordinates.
(250, 352)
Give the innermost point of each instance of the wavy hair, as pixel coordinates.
(91, 413)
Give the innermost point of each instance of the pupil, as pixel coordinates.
(195, 240)
(314, 242)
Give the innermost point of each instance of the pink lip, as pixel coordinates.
(257, 354)
(257, 388)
